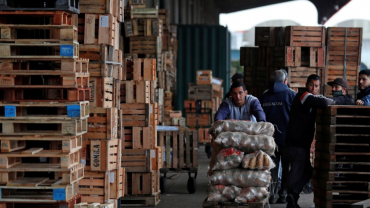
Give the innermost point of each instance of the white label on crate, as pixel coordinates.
(216, 81)
(150, 109)
(104, 21)
(152, 153)
(199, 73)
(111, 177)
(83, 162)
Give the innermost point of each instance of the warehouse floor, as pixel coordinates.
(177, 195)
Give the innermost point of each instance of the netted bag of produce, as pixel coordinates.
(246, 143)
(221, 193)
(228, 158)
(258, 160)
(252, 194)
(251, 128)
(241, 177)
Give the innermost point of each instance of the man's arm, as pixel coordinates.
(315, 101)
(222, 112)
(257, 111)
(366, 100)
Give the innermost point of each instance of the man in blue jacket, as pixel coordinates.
(276, 103)
(363, 97)
(240, 106)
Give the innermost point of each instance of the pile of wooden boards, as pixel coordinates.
(45, 106)
(341, 164)
(208, 93)
(302, 51)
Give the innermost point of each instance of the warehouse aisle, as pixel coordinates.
(178, 196)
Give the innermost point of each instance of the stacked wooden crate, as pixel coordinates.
(343, 57)
(44, 107)
(341, 164)
(299, 50)
(98, 34)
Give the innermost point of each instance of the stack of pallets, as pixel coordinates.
(44, 104)
(299, 50)
(343, 57)
(98, 34)
(341, 167)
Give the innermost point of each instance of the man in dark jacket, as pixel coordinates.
(240, 106)
(363, 97)
(340, 94)
(276, 102)
(300, 133)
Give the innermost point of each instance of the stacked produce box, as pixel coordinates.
(44, 105)
(241, 163)
(98, 35)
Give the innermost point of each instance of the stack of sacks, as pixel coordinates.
(241, 161)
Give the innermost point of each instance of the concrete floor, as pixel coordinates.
(177, 195)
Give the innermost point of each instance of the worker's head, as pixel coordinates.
(238, 92)
(364, 79)
(237, 77)
(280, 76)
(313, 84)
(339, 86)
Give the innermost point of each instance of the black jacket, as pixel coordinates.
(344, 100)
(276, 102)
(301, 127)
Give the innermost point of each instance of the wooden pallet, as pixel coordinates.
(43, 80)
(51, 34)
(66, 144)
(330, 198)
(59, 5)
(10, 176)
(298, 75)
(298, 56)
(305, 36)
(141, 160)
(203, 135)
(101, 155)
(114, 7)
(182, 146)
(143, 27)
(101, 92)
(135, 114)
(49, 17)
(53, 67)
(41, 190)
(102, 124)
(136, 13)
(139, 69)
(40, 51)
(139, 138)
(145, 45)
(98, 29)
(69, 204)
(142, 183)
(141, 200)
(208, 204)
(135, 91)
(43, 127)
(98, 187)
(94, 205)
(269, 36)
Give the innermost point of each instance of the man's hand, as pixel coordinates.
(359, 102)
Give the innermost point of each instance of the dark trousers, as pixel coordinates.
(281, 154)
(300, 170)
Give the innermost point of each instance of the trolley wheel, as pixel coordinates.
(192, 185)
(162, 184)
(308, 188)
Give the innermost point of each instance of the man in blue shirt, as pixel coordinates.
(240, 106)
(276, 103)
(363, 97)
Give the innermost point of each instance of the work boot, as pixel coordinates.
(281, 200)
(291, 202)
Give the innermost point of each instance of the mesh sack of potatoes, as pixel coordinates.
(252, 194)
(251, 128)
(228, 158)
(221, 193)
(241, 177)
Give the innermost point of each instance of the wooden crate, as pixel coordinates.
(136, 13)
(298, 75)
(97, 29)
(135, 114)
(145, 45)
(203, 135)
(204, 77)
(180, 148)
(98, 187)
(178, 122)
(101, 155)
(59, 5)
(142, 183)
(164, 80)
(102, 124)
(265, 56)
(269, 36)
(114, 7)
(135, 91)
(144, 69)
(141, 160)
(204, 119)
(19, 204)
(190, 105)
(141, 200)
(139, 138)
(299, 56)
(343, 54)
(200, 92)
(217, 84)
(21, 17)
(305, 36)
(101, 92)
(143, 27)
(94, 205)
(257, 76)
